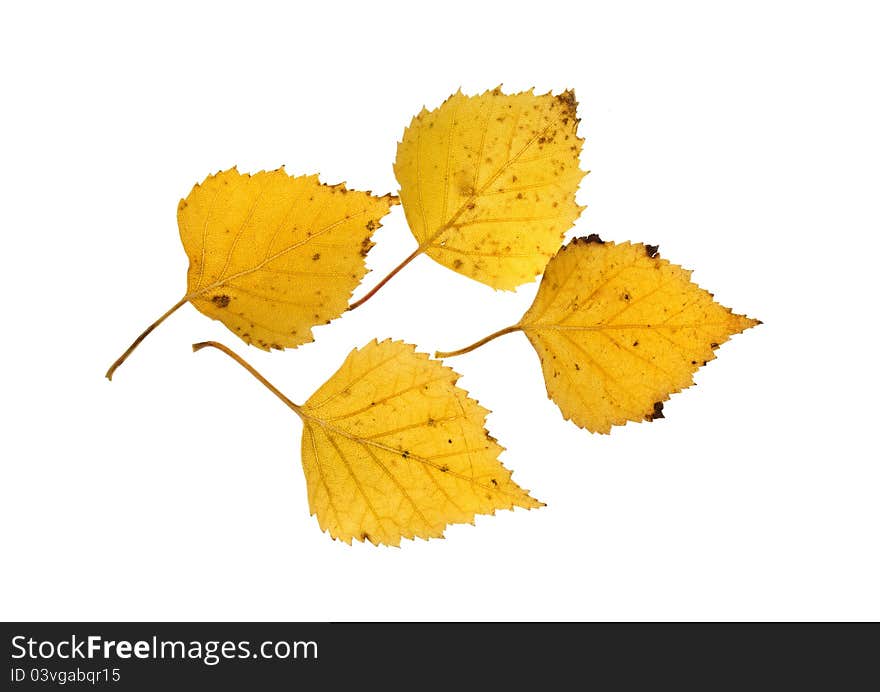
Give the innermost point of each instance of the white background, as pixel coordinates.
(743, 138)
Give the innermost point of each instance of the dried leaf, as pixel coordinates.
(393, 449)
(272, 255)
(488, 183)
(618, 330)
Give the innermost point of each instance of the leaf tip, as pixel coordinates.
(750, 322)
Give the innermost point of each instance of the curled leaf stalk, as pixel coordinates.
(250, 368)
(143, 335)
(474, 346)
(356, 304)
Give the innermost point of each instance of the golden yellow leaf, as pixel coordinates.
(272, 255)
(393, 449)
(488, 183)
(618, 330)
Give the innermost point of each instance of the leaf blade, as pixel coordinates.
(618, 330)
(273, 255)
(393, 449)
(488, 183)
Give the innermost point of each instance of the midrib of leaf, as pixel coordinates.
(606, 327)
(427, 461)
(223, 281)
(430, 240)
(445, 226)
(532, 327)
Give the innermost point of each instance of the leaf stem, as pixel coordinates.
(477, 344)
(356, 304)
(250, 368)
(144, 335)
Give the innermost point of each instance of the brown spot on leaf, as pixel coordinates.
(656, 413)
(220, 301)
(568, 103)
(316, 256)
(651, 250)
(592, 238)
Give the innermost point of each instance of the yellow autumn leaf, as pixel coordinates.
(488, 183)
(272, 255)
(618, 330)
(393, 449)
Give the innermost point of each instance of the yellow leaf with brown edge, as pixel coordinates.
(273, 255)
(488, 183)
(618, 330)
(393, 449)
